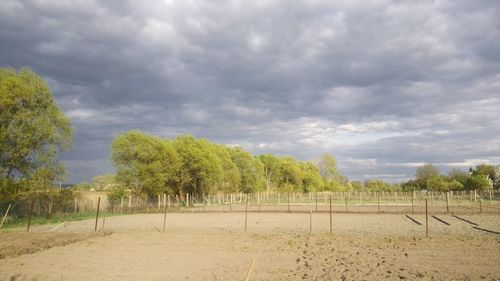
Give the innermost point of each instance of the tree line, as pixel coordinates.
(148, 164)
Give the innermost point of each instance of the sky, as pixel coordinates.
(384, 86)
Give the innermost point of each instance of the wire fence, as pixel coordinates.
(75, 204)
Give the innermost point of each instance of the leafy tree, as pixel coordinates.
(427, 177)
(311, 179)
(357, 185)
(251, 170)
(478, 182)
(454, 185)
(231, 178)
(200, 168)
(330, 173)
(490, 171)
(272, 170)
(104, 182)
(145, 163)
(458, 175)
(33, 129)
(291, 174)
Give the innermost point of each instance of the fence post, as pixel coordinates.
(310, 219)
(288, 204)
(412, 201)
(31, 214)
(426, 220)
(316, 199)
(447, 202)
(5, 216)
(331, 231)
(97, 214)
(246, 214)
(378, 201)
(164, 215)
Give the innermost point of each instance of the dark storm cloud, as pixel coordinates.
(383, 85)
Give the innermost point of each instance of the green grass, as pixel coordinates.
(56, 218)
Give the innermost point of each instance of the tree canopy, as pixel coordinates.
(152, 165)
(33, 129)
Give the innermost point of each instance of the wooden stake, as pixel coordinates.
(345, 196)
(310, 219)
(316, 199)
(447, 202)
(426, 220)
(331, 230)
(165, 215)
(246, 215)
(247, 278)
(289, 202)
(97, 214)
(378, 201)
(412, 199)
(30, 214)
(5, 216)
(57, 226)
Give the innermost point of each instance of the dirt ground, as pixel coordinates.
(214, 246)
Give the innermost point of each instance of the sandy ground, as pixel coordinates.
(214, 246)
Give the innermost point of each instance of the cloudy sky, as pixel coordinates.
(383, 85)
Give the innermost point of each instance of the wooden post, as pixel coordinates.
(345, 197)
(76, 205)
(121, 205)
(187, 199)
(246, 215)
(5, 216)
(30, 214)
(331, 230)
(168, 201)
(289, 202)
(129, 203)
(378, 201)
(316, 199)
(97, 214)
(426, 220)
(447, 202)
(165, 215)
(310, 219)
(159, 202)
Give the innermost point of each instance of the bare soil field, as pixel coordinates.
(214, 246)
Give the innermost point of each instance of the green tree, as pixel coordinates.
(33, 130)
(251, 170)
(479, 182)
(231, 178)
(272, 170)
(291, 174)
(311, 179)
(357, 185)
(458, 175)
(146, 164)
(201, 169)
(426, 176)
(330, 173)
